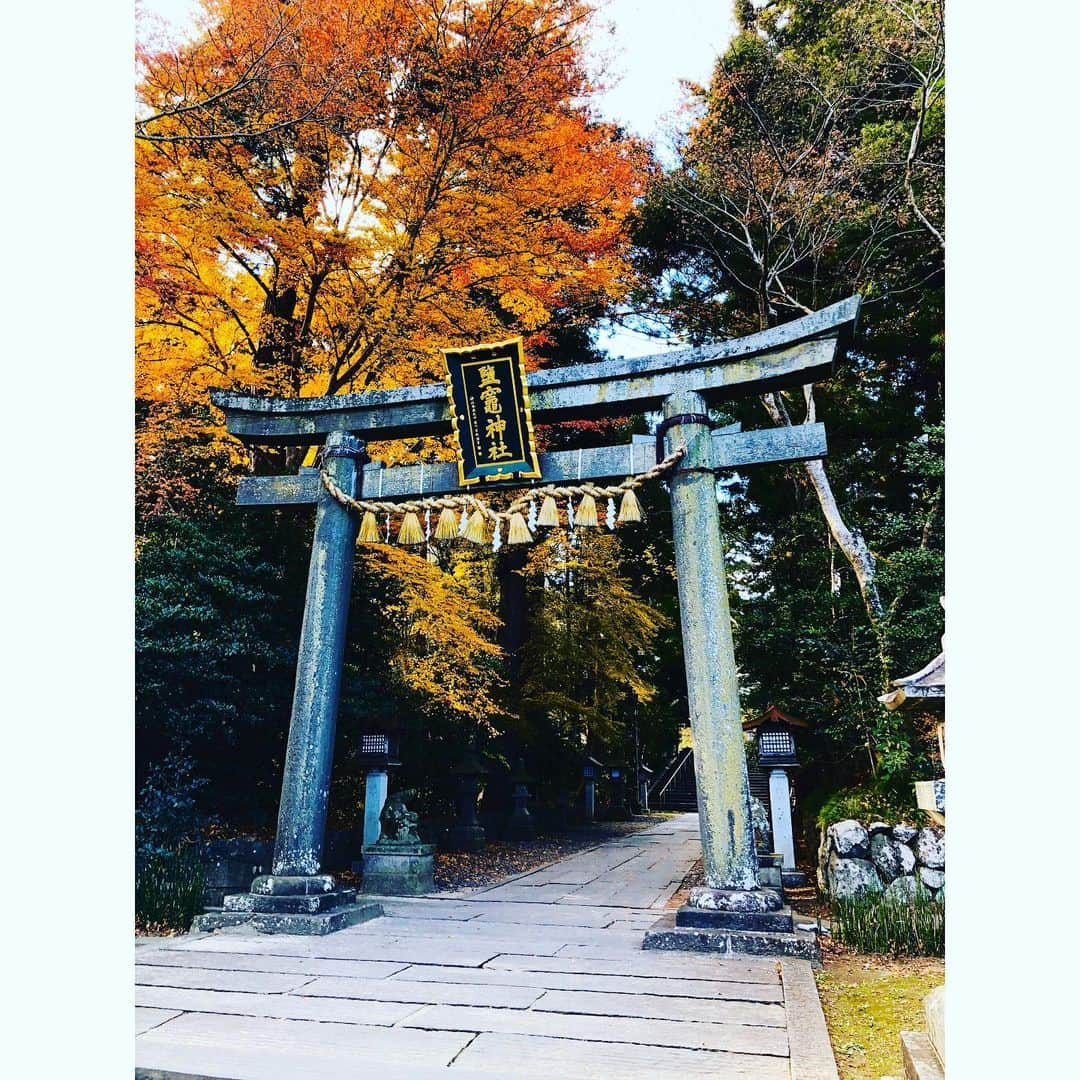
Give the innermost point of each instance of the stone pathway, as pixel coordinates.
(541, 976)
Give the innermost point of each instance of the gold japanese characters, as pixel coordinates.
(489, 401)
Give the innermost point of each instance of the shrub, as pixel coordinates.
(168, 890)
(898, 926)
(871, 803)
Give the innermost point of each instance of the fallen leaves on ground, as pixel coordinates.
(505, 858)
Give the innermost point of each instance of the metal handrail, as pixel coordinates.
(687, 753)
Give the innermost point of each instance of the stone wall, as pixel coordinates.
(855, 859)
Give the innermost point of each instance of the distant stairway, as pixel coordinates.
(676, 787)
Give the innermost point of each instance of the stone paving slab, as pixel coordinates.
(424, 993)
(252, 982)
(524, 1057)
(265, 1049)
(509, 935)
(507, 911)
(541, 976)
(275, 1006)
(147, 1018)
(354, 946)
(740, 1038)
(609, 984)
(659, 1007)
(659, 965)
(811, 1052)
(245, 1063)
(287, 965)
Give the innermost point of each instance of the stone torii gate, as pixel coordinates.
(296, 897)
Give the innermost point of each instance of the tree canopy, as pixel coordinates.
(328, 192)
(813, 169)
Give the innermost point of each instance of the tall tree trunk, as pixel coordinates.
(509, 567)
(850, 541)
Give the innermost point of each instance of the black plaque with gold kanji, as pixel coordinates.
(489, 402)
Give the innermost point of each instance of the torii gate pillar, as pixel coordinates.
(305, 786)
(712, 689)
(295, 898)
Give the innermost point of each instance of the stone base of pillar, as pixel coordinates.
(405, 871)
(743, 900)
(292, 904)
(735, 909)
(779, 922)
(665, 935)
(733, 922)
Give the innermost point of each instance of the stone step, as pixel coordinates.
(920, 1060)
(665, 935)
(291, 921)
(303, 905)
(779, 922)
(216, 919)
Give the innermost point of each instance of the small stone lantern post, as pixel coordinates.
(521, 825)
(620, 795)
(644, 774)
(590, 770)
(467, 834)
(378, 752)
(774, 731)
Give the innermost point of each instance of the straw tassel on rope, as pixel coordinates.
(586, 511)
(369, 529)
(475, 530)
(447, 529)
(549, 513)
(519, 529)
(410, 532)
(629, 508)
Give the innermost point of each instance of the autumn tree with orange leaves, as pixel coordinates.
(327, 192)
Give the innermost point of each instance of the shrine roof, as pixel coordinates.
(928, 682)
(774, 715)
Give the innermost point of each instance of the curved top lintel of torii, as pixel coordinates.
(792, 354)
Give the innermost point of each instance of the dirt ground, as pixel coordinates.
(868, 1001)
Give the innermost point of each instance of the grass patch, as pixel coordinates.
(868, 1001)
(912, 926)
(168, 891)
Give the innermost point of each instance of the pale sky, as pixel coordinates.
(642, 48)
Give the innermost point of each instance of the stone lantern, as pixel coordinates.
(590, 770)
(521, 825)
(619, 809)
(775, 734)
(378, 754)
(467, 834)
(644, 778)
